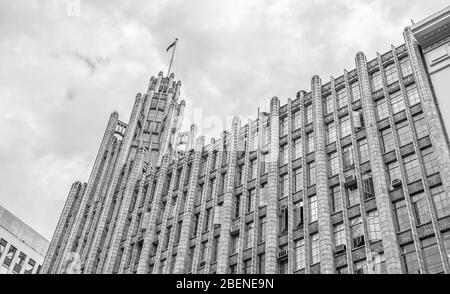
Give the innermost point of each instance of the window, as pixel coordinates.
(253, 169)
(311, 174)
(167, 237)
(363, 151)
(298, 213)
(420, 208)
(342, 99)
(284, 219)
(336, 199)
(233, 269)
(387, 139)
(373, 226)
(446, 241)
(346, 129)
(333, 164)
(282, 265)
(177, 236)
(283, 155)
(297, 148)
(347, 157)
(199, 195)
(190, 258)
(394, 171)
(261, 264)
(239, 173)
(296, 122)
(207, 220)
(211, 186)
(263, 195)
(315, 249)
(339, 235)
(237, 205)
(404, 133)
(377, 82)
(405, 67)
(398, 104)
(342, 270)
(214, 160)
(309, 143)
(298, 180)
(409, 258)
(195, 227)
(202, 256)
(222, 183)
(215, 249)
(300, 254)
(234, 243)
(412, 168)
(284, 186)
(247, 267)
(283, 127)
(10, 255)
(30, 267)
(19, 262)
(430, 161)
(262, 230)
(328, 105)
(330, 132)
(352, 197)
(188, 174)
(357, 232)
(263, 163)
(360, 267)
(368, 187)
(382, 110)
(420, 125)
(391, 73)
(250, 199)
(3, 244)
(433, 262)
(401, 215)
(248, 239)
(313, 211)
(308, 114)
(441, 201)
(356, 94)
(413, 95)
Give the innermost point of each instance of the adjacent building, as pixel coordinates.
(351, 176)
(22, 249)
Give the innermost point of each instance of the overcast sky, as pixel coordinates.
(66, 65)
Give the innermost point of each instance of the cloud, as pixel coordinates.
(63, 73)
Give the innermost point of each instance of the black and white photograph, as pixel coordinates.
(206, 140)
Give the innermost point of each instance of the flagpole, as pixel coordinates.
(171, 59)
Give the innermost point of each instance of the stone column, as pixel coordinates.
(388, 233)
(224, 240)
(323, 207)
(272, 182)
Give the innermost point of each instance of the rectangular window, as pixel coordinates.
(356, 94)
(356, 230)
(405, 67)
(413, 95)
(195, 227)
(353, 197)
(296, 121)
(328, 105)
(346, 129)
(446, 241)
(420, 208)
(401, 215)
(237, 205)
(336, 199)
(433, 262)
(283, 155)
(3, 244)
(248, 241)
(199, 195)
(262, 230)
(311, 174)
(253, 169)
(298, 213)
(363, 151)
(313, 211)
(394, 171)
(215, 249)
(203, 247)
(420, 124)
(239, 174)
(309, 143)
(333, 164)
(283, 127)
(284, 186)
(373, 226)
(177, 236)
(251, 199)
(347, 157)
(342, 99)
(222, 183)
(308, 114)
(298, 180)
(261, 264)
(368, 187)
(207, 220)
(10, 255)
(284, 218)
(441, 201)
(404, 133)
(377, 82)
(247, 267)
(382, 110)
(300, 254)
(391, 73)
(30, 267)
(398, 104)
(234, 244)
(330, 132)
(297, 148)
(412, 168)
(387, 139)
(409, 258)
(19, 262)
(315, 249)
(339, 235)
(430, 161)
(263, 195)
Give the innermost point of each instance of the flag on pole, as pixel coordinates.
(171, 45)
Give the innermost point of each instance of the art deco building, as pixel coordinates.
(22, 249)
(352, 176)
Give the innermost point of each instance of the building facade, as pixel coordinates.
(352, 176)
(22, 249)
